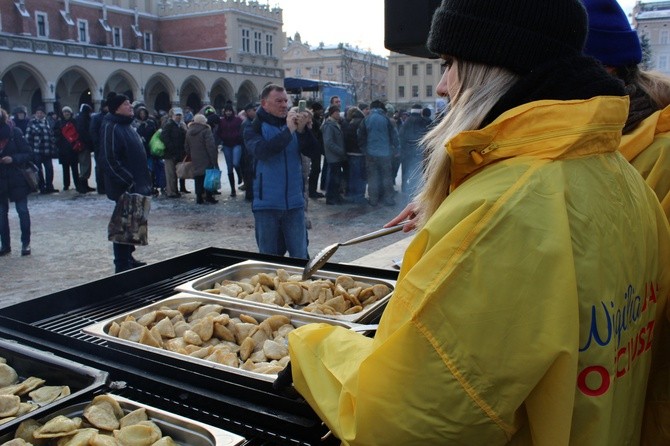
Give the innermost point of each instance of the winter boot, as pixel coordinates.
(231, 180)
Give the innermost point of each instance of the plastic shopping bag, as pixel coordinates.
(212, 180)
(156, 144)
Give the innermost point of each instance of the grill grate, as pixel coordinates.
(256, 436)
(70, 323)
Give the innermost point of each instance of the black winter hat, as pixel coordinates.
(515, 34)
(115, 100)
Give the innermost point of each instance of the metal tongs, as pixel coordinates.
(314, 264)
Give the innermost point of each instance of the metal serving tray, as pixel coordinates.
(56, 371)
(184, 431)
(233, 308)
(247, 269)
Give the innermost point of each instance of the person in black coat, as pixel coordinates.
(94, 130)
(124, 162)
(14, 154)
(84, 157)
(173, 136)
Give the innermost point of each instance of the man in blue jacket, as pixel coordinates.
(277, 138)
(378, 139)
(124, 162)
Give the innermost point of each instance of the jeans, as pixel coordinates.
(411, 173)
(380, 178)
(357, 178)
(46, 179)
(279, 231)
(24, 221)
(233, 157)
(123, 256)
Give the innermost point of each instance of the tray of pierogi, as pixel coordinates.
(33, 381)
(110, 419)
(226, 335)
(327, 294)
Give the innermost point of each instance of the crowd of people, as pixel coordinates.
(355, 149)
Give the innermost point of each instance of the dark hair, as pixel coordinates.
(333, 97)
(269, 89)
(317, 106)
(228, 107)
(377, 104)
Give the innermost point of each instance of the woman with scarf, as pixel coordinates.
(531, 307)
(14, 154)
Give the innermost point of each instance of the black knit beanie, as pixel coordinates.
(515, 34)
(115, 100)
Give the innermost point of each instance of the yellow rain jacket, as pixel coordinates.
(527, 310)
(648, 150)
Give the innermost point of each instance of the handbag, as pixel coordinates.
(212, 180)
(185, 168)
(156, 144)
(129, 224)
(31, 174)
(70, 133)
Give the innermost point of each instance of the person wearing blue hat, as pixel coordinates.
(646, 134)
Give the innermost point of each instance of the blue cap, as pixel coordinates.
(610, 38)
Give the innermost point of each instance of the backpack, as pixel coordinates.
(72, 136)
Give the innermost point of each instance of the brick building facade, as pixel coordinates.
(162, 52)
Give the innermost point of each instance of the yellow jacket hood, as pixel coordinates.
(647, 148)
(544, 130)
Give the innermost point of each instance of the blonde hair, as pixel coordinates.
(480, 88)
(656, 85)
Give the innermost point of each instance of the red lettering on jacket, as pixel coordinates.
(604, 380)
(650, 337)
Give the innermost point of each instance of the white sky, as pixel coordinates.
(356, 22)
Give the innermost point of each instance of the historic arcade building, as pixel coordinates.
(161, 52)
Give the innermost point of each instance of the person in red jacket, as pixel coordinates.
(230, 134)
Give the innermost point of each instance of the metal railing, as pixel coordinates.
(25, 44)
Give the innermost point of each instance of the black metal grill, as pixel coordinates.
(236, 403)
(70, 323)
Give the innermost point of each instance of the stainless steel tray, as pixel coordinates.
(56, 371)
(246, 269)
(233, 308)
(184, 431)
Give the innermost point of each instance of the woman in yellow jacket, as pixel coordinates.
(646, 135)
(531, 304)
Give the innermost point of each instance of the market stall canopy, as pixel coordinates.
(296, 85)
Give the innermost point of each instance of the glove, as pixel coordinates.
(284, 383)
(284, 378)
